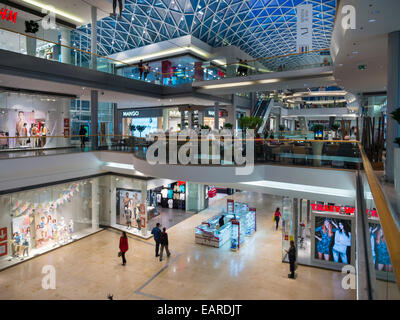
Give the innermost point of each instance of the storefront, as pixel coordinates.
(209, 118)
(324, 232)
(35, 221)
(141, 122)
(34, 121)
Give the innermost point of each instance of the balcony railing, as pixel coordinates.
(54, 50)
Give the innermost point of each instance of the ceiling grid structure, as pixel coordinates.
(261, 28)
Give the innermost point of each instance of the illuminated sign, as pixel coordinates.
(12, 16)
(340, 209)
(128, 114)
(142, 113)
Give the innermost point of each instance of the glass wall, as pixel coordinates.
(35, 221)
(33, 120)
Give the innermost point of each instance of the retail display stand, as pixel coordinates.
(236, 240)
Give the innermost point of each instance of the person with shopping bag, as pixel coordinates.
(123, 247)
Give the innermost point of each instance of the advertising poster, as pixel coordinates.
(127, 206)
(332, 240)
(380, 253)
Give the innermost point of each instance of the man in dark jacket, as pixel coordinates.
(164, 243)
(82, 134)
(157, 233)
(292, 259)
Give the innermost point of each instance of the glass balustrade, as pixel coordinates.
(54, 49)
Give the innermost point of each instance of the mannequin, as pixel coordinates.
(71, 228)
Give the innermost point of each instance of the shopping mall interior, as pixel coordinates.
(264, 136)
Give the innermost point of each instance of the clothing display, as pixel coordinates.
(158, 197)
(182, 196)
(164, 193)
(170, 203)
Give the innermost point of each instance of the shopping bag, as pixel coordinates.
(119, 254)
(273, 218)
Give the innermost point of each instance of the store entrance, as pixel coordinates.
(167, 204)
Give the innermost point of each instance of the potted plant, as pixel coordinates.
(140, 129)
(396, 153)
(228, 125)
(335, 127)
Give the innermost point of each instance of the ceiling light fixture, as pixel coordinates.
(228, 85)
(52, 9)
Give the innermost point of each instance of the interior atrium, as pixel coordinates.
(199, 150)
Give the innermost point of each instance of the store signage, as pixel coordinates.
(333, 209)
(8, 15)
(3, 234)
(142, 113)
(174, 114)
(3, 237)
(340, 209)
(130, 114)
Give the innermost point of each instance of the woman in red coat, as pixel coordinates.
(123, 246)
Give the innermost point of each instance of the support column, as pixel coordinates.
(216, 116)
(31, 46)
(182, 119)
(95, 203)
(113, 201)
(393, 101)
(94, 38)
(201, 117)
(117, 124)
(65, 41)
(94, 111)
(190, 119)
(165, 118)
(144, 201)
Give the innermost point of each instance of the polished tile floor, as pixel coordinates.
(90, 268)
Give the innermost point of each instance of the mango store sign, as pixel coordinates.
(340, 209)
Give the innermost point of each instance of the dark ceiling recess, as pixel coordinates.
(36, 13)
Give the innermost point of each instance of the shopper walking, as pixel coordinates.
(157, 234)
(123, 247)
(292, 259)
(141, 69)
(82, 135)
(277, 216)
(146, 71)
(164, 243)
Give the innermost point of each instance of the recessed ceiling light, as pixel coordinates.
(372, 20)
(355, 52)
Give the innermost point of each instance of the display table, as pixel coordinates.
(210, 234)
(238, 224)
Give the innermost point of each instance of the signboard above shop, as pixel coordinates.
(142, 113)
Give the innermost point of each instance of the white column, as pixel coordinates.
(113, 200)
(65, 41)
(94, 38)
(201, 117)
(165, 119)
(232, 113)
(144, 201)
(95, 203)
(190, 119)
(393, 102)
(94, 118)
(216, 116)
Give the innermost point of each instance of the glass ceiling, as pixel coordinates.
(261, 28)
